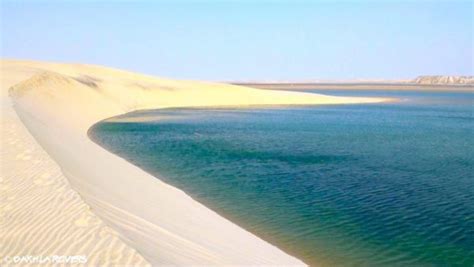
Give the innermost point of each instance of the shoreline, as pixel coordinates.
(363, 86)
(163, 223)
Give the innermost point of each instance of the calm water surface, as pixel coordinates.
(345, 185)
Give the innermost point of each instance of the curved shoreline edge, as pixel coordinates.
(58, 103)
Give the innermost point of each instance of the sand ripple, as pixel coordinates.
(40, 215)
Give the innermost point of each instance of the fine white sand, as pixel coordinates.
(40, 214)
(63, 194)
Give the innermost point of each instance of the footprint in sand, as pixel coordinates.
(83, 221)
(23, 156)
(42, 182)
(115, 256)
(6, 208)
(38, 182)
(86, 220)
(44, 179)
(104, 232)
(4, 187)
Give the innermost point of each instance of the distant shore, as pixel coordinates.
(361, 86)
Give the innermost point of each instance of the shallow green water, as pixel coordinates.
(346, 185)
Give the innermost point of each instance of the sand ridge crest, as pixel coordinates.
(40, 81)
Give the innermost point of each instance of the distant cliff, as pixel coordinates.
(447, 80)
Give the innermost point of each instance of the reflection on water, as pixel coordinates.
(363, 185)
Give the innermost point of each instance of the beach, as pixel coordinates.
(61, 189)
(363, 86)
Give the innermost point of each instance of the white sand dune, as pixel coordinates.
(40, 215)
(46, 197)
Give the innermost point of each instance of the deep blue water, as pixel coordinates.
(345, 185)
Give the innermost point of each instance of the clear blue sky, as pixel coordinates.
(244, 40)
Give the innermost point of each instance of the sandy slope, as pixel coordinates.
(161, 222)
(40, 215)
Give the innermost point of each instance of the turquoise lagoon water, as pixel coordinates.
(345, 185)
